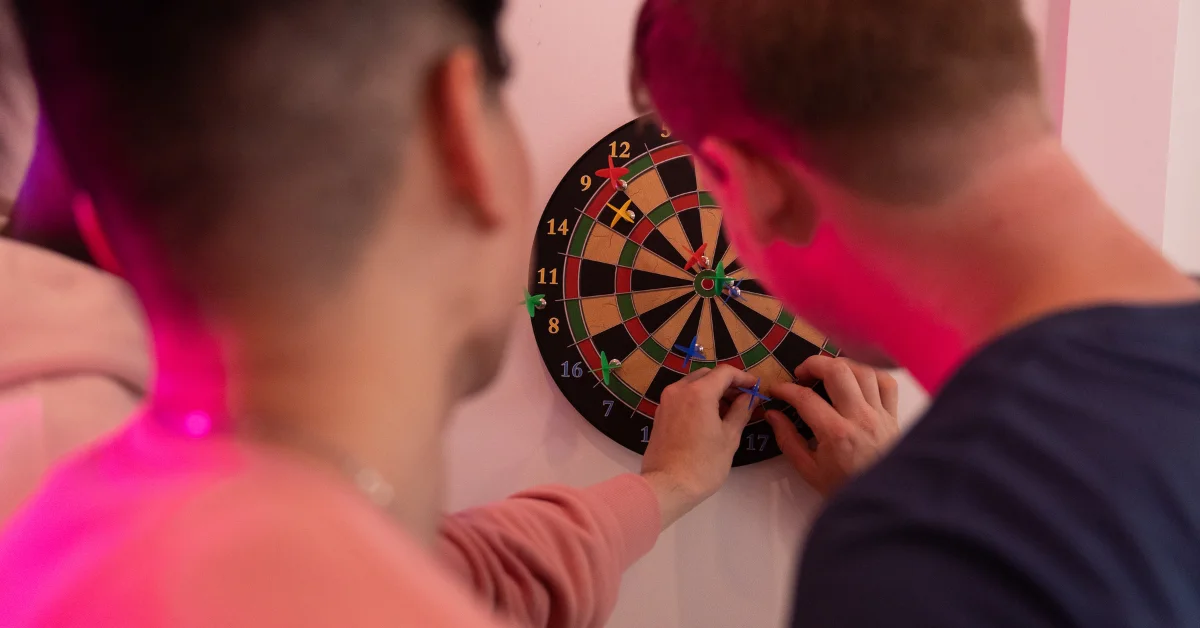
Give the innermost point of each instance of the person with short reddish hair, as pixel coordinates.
(889, 169)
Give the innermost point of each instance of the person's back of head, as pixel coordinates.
(832, 128)
(267, 162)
(870, 92)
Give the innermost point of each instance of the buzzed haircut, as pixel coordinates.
(254, 141)
(852, 84)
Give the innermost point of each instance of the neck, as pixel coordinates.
(327, 386)
(1026, 238)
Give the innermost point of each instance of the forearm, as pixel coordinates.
(674, 500)
(554, 556)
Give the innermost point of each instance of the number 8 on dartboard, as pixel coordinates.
(643, 286)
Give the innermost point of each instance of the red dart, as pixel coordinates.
(613, 173)
(696, 257)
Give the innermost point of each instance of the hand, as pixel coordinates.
(692, 446)
(851, 434)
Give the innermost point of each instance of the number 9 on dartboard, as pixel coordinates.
(642, 286)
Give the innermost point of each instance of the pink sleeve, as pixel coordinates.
(553, 557)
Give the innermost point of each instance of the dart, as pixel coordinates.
(606, 367)
(623, 213)
(613, 174)
(691, 353)
(754, 394)
(534, 302)
(698, 258)
(721, 279)
(735, 291)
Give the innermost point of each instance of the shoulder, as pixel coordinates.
(1048, 471)
(234, 541)
(272, 553)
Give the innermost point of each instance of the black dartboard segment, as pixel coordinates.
(611, 255)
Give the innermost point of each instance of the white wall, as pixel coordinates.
(1181, 237)
(1117, 110)
(729, 563)
(1051, 22)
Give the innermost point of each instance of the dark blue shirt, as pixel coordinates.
(1054, 482)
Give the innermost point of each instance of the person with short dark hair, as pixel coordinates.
(321, 206)
(889, 169)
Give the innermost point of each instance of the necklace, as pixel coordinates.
(368, 481)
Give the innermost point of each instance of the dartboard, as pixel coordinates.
(634, 284)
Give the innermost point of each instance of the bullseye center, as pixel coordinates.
(706, 284)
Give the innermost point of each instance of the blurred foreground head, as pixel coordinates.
(267, 160)
(813, 116)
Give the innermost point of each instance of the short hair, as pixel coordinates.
(850, 83)
(250, 140)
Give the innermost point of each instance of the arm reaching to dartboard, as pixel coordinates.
(553, 556)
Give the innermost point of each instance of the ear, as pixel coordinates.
(774, 200)
(458, 113)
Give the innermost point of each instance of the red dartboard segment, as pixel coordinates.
(735, 362)
(588, 350)
(648, 408)
(643, 229)
(675, 363)
(637, 331)
(571, 279)
(685, 202)
(600, 200)
(667, 153)
(624, 280)
(775, 338)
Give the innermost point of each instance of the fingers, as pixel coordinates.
(889, 394)
(738, 417)
(696, 374)
(867, 381)
(792, 444)
(840, 380)
(819, 415)
(715, 383)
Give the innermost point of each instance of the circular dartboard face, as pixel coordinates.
(639, 285)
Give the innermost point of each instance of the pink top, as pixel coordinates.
(155, 529)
